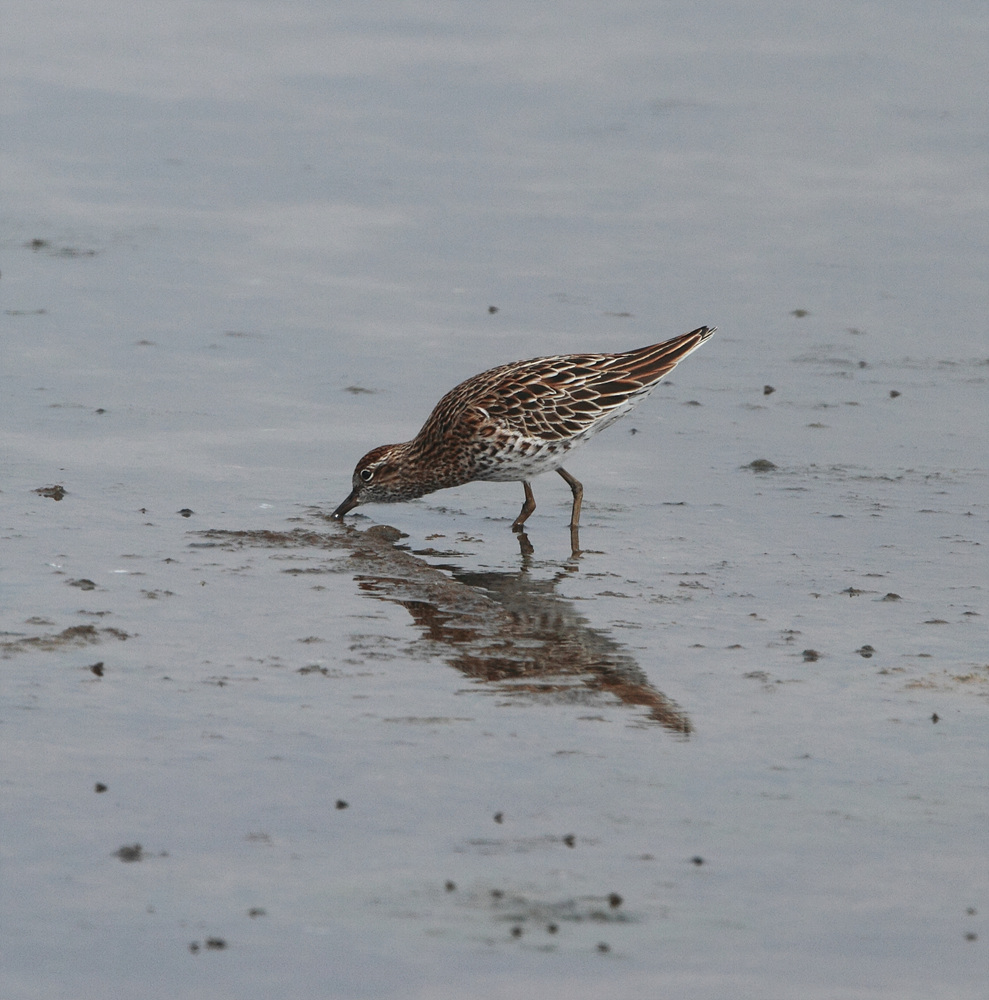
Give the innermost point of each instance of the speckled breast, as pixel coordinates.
(508, 457)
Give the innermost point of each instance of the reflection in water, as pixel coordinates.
(508, 630)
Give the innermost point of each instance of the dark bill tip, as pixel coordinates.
(349, 504)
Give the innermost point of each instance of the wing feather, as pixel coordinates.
(559, 397)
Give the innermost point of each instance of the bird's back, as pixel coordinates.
(559, 397)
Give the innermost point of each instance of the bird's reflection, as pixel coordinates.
(509, 630)
(526, 548)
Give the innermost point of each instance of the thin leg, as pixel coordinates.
(578, 496)
(528, 506)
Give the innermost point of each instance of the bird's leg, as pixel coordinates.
(528, 506)
(578, 496)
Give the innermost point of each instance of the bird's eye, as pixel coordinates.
(367, 475)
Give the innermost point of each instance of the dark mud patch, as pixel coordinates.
(75, 636)
(51, 492)
(43, 246)
(532, 921)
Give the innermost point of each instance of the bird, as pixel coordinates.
(516, 421)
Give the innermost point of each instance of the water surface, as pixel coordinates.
(737, 748)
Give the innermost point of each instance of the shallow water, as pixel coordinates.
(737, 747)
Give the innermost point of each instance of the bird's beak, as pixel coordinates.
(349, 504)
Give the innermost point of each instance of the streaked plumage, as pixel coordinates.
(516, 421)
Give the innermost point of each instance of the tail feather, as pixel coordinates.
(650, 364)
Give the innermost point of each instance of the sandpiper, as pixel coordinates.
(516, 421)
